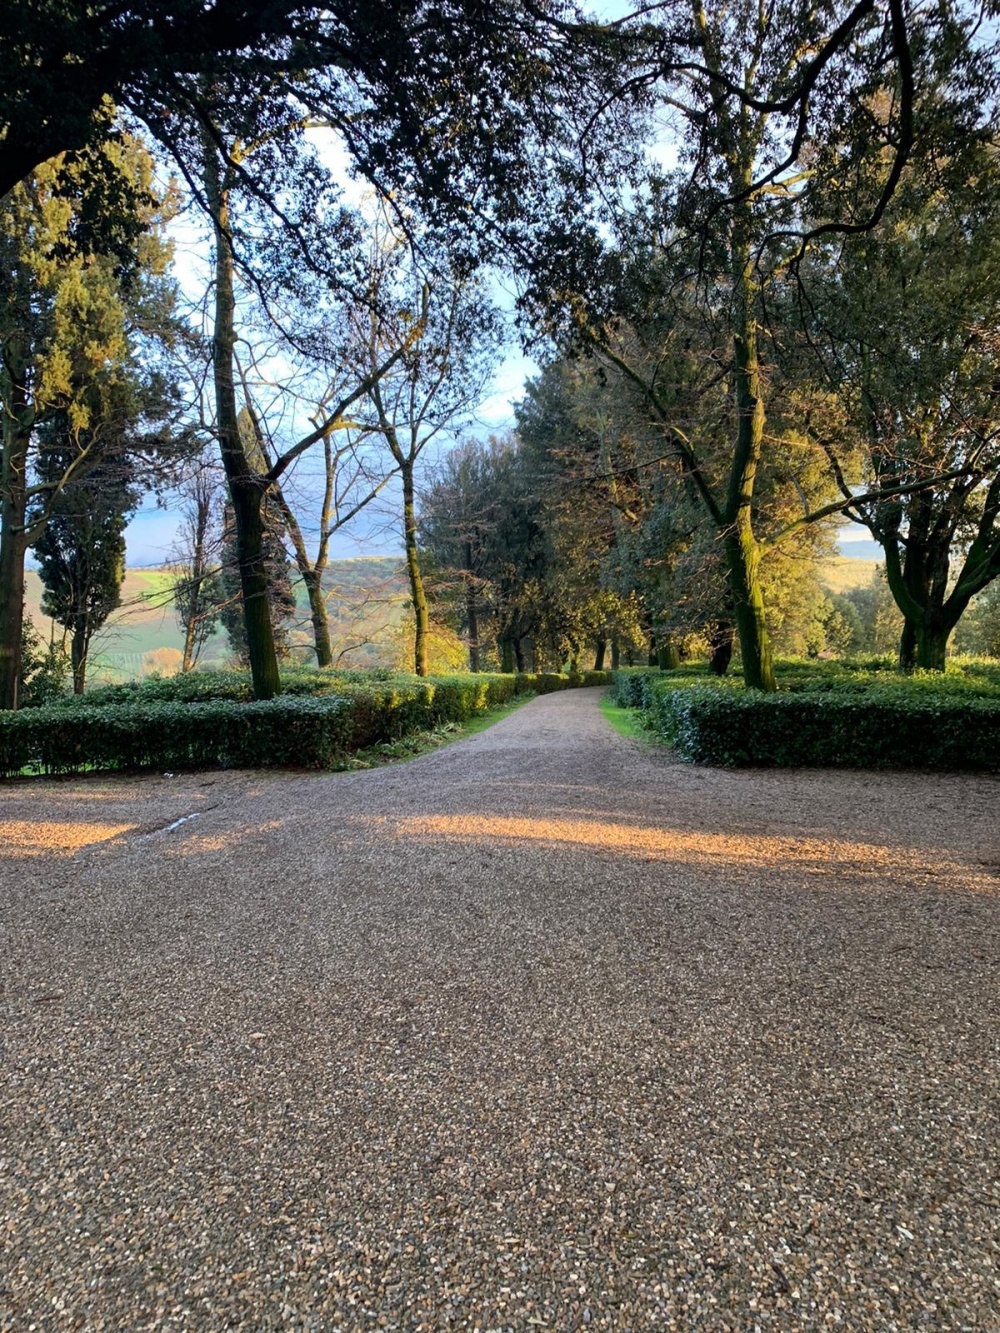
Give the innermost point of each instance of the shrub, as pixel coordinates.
(859, 719)
(204, 720)
(162, 661)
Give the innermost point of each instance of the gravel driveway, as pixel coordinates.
(540, 1031)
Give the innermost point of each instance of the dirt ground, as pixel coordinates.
(542, 1030)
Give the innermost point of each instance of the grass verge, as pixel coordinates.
(424, 742)
(626, 721)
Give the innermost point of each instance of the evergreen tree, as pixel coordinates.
(86, 311)
(81, 555)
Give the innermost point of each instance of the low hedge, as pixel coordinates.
(901, 722)
(211, 724)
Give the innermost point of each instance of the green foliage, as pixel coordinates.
(81, 552)
(864, 717)
(978, 632)
(207, 719)
(44, 669)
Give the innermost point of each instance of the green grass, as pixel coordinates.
(418, 743)
(626, 721)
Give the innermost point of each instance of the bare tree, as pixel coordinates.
(424, 344)
(197, 591)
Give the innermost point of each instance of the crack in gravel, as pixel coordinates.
(542, 1030)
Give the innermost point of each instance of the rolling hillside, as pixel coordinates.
(840, 572)
(366, 598)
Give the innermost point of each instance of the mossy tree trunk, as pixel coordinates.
(740, 543)
(16, 438)
(418, 594)
(246, 487)
(471, 608)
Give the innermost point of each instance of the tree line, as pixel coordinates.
(754, 243)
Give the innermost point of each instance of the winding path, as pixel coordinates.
(542, 1030)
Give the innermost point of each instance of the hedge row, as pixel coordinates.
(891, 726)
(310, 731)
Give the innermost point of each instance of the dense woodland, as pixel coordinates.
(250, 257)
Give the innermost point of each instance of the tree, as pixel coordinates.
(81, 555)
(281, 604)
(451, 93)
(250, 474)
(198, 591)
(348, 487)
(82, 330)
(271, 566)
(455, 522)
(422, 349)
(328, 485)
(720, 235)
(44, 668)
(905, 323)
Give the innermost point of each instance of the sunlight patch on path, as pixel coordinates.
(808, 855)
(50, 837)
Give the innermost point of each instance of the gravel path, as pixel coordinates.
(540, 1031)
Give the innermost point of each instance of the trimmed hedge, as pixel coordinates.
(904, 722)
(208, 723)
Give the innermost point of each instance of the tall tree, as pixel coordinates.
(719, 235)
(85, 311)
(905, 324)
(81, 554)
(483, 517)
(424, 346)
(451, 91)
(249, 242)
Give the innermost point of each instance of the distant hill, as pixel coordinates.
(861, 550)
(366, 597)
(367, 600)
(839, 573)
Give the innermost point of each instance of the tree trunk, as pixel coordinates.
(748, 608)
(471, 610)
(908, 646)
(932, 646)
(615, 654)
(602, 648)
(668, 656)
(78, 651)
(16, 436)
(245, 486)
(919, 585)
(187, 661)
(12, 552)
(506, 656)
(417, 594)
(313, 580)
(519, 654)
(742, 550)
(312, 577)
(720, 644)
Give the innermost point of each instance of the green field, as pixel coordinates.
(366, 599)
(840, 573)
(366, 596)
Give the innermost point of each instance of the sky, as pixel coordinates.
(151, 536)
